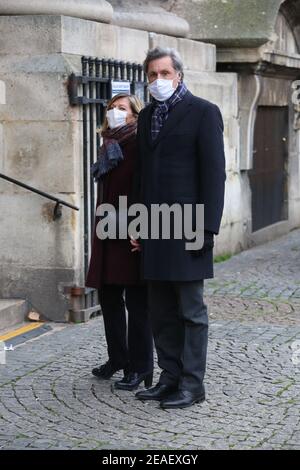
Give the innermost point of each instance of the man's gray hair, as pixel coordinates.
(159, 52)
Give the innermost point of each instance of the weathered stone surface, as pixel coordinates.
(232, 23)
(1, 149)
(35, 236)
(291, 12)
(30, 35)
(196, 56)
(12, 312)
(35, 96)
(41, 136)
(41, 36)
(220, 88)
(148, 16)
(2, 101)
(89, 38)
(2, 93)
(96, 10)
(43, 287)
(41, 154)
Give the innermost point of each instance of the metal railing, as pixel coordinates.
(59, 202)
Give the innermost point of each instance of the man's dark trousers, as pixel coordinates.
(180, 329)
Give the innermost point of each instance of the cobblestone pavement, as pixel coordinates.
(49, 399)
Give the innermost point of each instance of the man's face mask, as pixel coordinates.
(161, 89)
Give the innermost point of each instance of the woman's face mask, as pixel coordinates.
(116, 118)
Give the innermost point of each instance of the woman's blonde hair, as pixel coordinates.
(135, 104)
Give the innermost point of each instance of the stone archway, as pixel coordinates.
(291, 11)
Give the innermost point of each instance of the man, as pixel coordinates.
(181, 160)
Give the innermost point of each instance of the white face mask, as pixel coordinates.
(116, 117)
(161, 89)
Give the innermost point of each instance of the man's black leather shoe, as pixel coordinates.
(158, 392)
(132, 380)
(182, 399)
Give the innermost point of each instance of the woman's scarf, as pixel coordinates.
(110, 152)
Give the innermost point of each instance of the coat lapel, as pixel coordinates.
(175, 116)
(147, 125)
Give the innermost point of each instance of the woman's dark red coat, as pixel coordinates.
(112, 261)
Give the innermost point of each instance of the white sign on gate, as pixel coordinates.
(120, 86)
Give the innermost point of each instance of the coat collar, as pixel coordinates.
(175, 116)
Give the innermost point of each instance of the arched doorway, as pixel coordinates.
(269, 176)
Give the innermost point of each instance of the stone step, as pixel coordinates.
(12, 312)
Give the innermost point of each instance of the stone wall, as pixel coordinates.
(96, 10)
(43, 144)
(228, 23)
(2, 102)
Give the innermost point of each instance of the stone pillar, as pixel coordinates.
(149, 16)
(38, 256)
(96, 10)
(2, 102)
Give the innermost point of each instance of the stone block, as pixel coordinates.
(36, 97)
(233, 208)
(219, 88)
(2, 102)
(231, 238)
(12, 312)
(294, 213)
(235, 23)
(96, 10)
(43, 35)
(196, 56)
(2, 93)
(1, 149)
(30, 35)
(148, 16)
(41, 154)
(102, 40)
(30, 237)
(42, 287)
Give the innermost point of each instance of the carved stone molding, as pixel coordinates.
(148, 16)
(96, 10)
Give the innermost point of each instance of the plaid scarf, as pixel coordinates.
(110, 153)
(162, 109)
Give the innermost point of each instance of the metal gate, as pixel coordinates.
(99, 81)
(268, 178)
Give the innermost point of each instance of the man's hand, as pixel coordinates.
(207, 245)
(136, 244)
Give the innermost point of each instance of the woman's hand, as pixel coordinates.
(136, 244)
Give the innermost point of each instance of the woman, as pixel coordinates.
(114, 266)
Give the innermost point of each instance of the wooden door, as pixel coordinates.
(268, 178)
